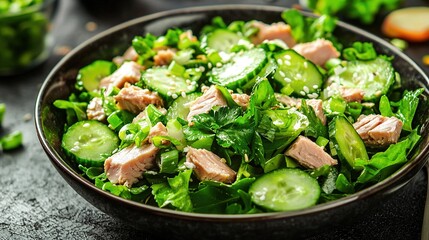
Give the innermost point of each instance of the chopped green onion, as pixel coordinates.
(399, 43)
(11, 141)
(153, 114)
(119, 118)
(276, 162)
(333, 62)
(2, 111)
(354, 109)
(321, 141)
(214, 57)
(176, 69)
(174, 129)
(287, 90)
(169, 161)
(336, 105)
(205, 143)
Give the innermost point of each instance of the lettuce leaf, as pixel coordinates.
(406, 107)
(383, 164)
(174, 193)
(363, 10)
(306, 29)
(360, 51)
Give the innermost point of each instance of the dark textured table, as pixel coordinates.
(36, 203)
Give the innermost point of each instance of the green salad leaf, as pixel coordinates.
(363, 10)
(174, 192)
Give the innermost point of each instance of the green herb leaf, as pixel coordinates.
(383, 164)
(174, 193)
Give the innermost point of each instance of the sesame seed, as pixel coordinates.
(306, 89)
(282, 74)
(219, 64)
(210, 65)
(188, 81)
(174, 96)
(189, 165)
(298, 75)
(315, 86)
(305, 65)
(168, 93)
(313, 95)
(279, 61)
(202, 69)
(183, 94)
(287, 63)
(288, 57)
(302, 92)
(288, 80)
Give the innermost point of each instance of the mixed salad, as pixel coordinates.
(245, 117)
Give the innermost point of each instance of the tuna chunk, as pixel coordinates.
(352, 94)
(377, 130)
(163, 57)
(203, 104)
(309, 154)
(135, 99)
(316, 104)
(318, 51)
(241, 99)
(209, 166)
(158, 130)
(128, 72)
(126, 166)
(274, 31)
(129, 55)
(95, 110)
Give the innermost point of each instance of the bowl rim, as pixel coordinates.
(58, 162)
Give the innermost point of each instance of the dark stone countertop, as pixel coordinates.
(36, 203)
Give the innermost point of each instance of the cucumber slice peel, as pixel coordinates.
(374, 77)
(298, 73)
(285, 190)
(179, 106)
(168, 85)
(89, 143)
(221, 40)
(347, 142)
(243, 67)
(91, 75)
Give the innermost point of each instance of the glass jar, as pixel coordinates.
(24, 34)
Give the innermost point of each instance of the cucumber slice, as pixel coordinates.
(221, 40)
(374, 77)
(179, 107)
(168, 85)
(298, 73)
(347, 141)
(240, 69)
(91, 75)
(89, 142)
(285, 190)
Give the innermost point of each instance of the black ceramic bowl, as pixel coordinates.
(59, 84)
